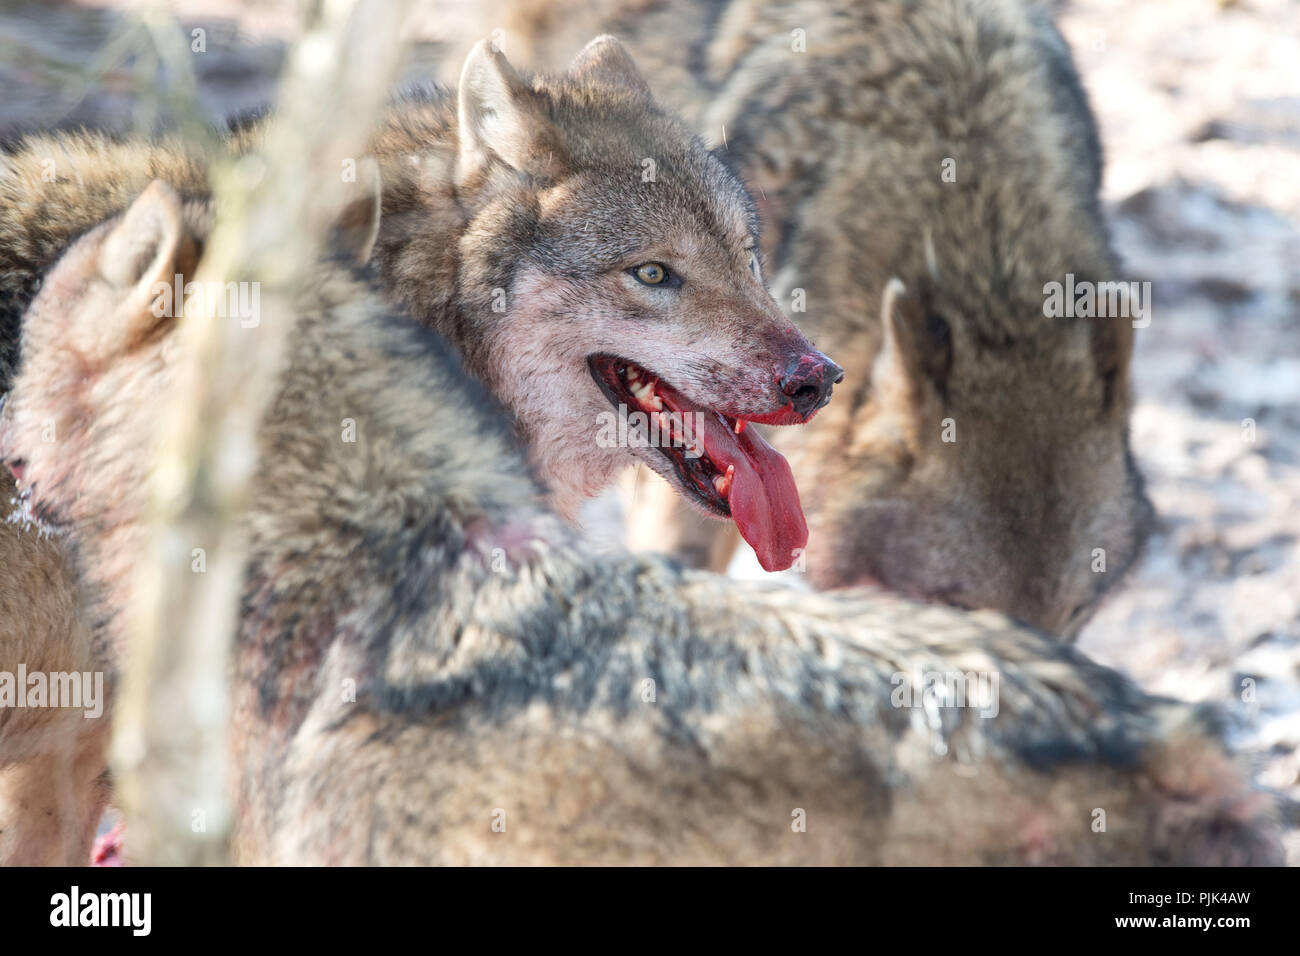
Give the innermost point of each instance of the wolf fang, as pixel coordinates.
(640, 429)
(76, 910)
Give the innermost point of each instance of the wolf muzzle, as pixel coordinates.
(808, 381)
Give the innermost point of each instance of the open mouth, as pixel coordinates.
(676, 436)
(721, 464)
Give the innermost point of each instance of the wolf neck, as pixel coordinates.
(423, 221)
(397, 386)
(453, 286)
(426, 504)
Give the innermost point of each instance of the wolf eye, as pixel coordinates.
(753, 262)
(654, 273)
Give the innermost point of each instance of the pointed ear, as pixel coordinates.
(498, 121)
(145, 251)
(605, 60)
(356, 228)
(916, 345)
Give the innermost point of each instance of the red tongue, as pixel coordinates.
(763, 497)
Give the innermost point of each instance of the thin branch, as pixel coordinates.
(275, 208)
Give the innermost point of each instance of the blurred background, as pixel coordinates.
(1199, 107)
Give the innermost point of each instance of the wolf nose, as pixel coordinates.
(808, 382)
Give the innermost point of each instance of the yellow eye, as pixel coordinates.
(651, 273)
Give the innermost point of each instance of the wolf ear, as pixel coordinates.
(356, 228)
(916, 345)
(144, 251)
(498, 120)
(607, 61)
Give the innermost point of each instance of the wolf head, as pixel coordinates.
(951, 484)
(75, 429)
(611, 294)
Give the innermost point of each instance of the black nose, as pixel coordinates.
(808, 382)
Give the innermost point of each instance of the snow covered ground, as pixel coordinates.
(1199, 105)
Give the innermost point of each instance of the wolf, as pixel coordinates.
(926, 170)
(590, 259)
(430, 667)
(53, 789)
(587, 256)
